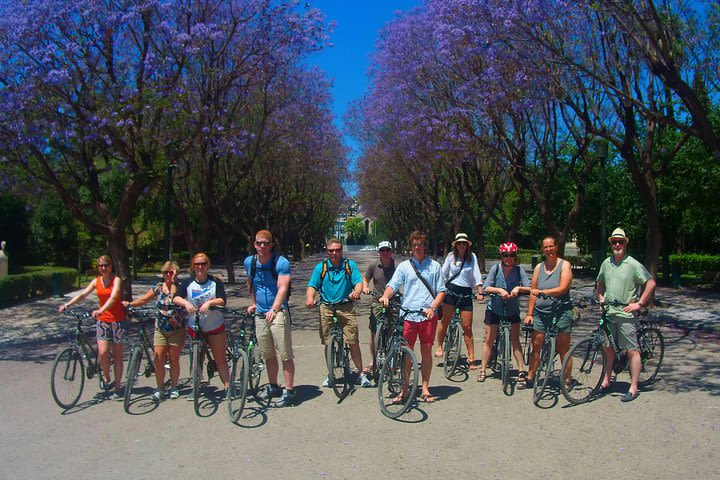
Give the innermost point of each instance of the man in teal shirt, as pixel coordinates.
(619, 280)
(338, 280)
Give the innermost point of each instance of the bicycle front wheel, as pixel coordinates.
(336, 363)
(238, 386)
(131, 377)
(586, 364)
(545, 369)
(652, 351)
(196, 375)
(451, 348)
(382, 345)
(504, 351)
(67, 378)
(400, 368)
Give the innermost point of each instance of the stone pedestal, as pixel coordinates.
(3, 261)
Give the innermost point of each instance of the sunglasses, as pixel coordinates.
(168, 272)
(103, 265)
(385, 250)
(418, 245)
(199, 264)
(617, 242)
(334, 250)
(262, 243)
(508, 255)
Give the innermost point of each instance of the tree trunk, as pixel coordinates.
(117, 248)
(227, 249)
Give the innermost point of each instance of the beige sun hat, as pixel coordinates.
(618, 233)
(461, 237)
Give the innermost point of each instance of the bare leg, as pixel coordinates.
(160, 355)
(468, 336)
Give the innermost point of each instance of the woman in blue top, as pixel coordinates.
(506, 280)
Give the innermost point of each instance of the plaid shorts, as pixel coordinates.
(115, 332)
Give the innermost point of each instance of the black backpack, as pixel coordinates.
(273, 271)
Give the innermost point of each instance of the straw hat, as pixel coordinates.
(461, 237)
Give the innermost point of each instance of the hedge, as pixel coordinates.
(33, 282)
(695, 262)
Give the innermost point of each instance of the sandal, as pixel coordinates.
(522, 381)
(472, 365)
(481, 378)
(428, 398)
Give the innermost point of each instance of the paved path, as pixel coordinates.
(671, 430)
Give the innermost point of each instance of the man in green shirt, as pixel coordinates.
(620, 279)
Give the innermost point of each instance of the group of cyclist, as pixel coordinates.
(430, 293)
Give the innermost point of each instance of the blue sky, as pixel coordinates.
(347, 61)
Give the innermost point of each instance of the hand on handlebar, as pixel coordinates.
(354, 295)
(251, 309)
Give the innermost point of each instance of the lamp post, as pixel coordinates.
(170, 156)
(602, 153)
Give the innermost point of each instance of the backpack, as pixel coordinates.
(325, 269)
(273, 271)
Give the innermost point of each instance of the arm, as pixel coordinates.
(533, 293)
(648, 289)
(219, 300)
(356, 292)
(283, 285)
(80, 296)
(150, 294)
(114, 297)
(252, 307)
(366, 286)
(310, 297)
(477, 276)
(437, 301)
(385, 299)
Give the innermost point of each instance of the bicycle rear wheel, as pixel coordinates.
(400, 367)
(527, 343)
(238, 386)
(586, 363)
(451, 348)
(196, 376)
(336, 363)
(652, 351)
(545, 369)
(504, 351)
(382, 344)
(131, 377)
(67, 378)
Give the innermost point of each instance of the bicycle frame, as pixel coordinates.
(341, 358)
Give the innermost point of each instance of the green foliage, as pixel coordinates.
(355, 230)
(696, 262)
(15, 231)
(34, 282)
(54, 232)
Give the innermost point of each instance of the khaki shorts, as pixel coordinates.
(624, 331)
(173, 337)
(274, 337)
(542, 321)
(346, 318)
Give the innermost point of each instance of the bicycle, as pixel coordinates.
(502, 351)
(400, 367)
(239, 368)
(139, 347)
(451, 341)
(383, 334)
(67, 376)
(546, 367)
(586, 360)
(337, 355)
(199, 349)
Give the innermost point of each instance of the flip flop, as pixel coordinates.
(428, 398)
(481, 378)
(399, 400)
(472, 365)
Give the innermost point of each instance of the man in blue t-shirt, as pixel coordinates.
(268, 281)
(338, 280)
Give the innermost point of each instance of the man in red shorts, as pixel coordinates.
(423, 288)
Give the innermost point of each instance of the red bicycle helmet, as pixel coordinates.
(508, 247)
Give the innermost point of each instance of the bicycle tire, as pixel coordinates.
(451, 348)
(67, 378)
(527, 344)
(256, 368)
(336, 363)
(392, 377)
(382, 342)
(506, 348)
(652, 352)
(545, 369)
(238, 385)
(133, 370)
(196, 376)
(586, 363)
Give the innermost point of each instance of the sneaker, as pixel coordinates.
(365, 381)
(326, 382)
(157, 395)
(117, 395)
(174, 393)
(287, 399)
(273, 390)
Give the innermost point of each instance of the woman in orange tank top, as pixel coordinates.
(111, 329)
